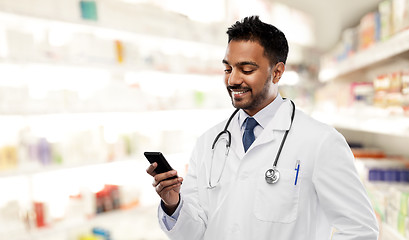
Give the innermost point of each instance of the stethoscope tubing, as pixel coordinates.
(225, 130)
(271, 179)
(285, 137)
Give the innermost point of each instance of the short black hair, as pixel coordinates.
(270, 38)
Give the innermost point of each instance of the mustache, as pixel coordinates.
(237, 87)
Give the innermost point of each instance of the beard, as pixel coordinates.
(255, 101)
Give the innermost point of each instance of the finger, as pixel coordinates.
(165, 192)
(151, 169)
(162, 176)
(162, 189)
(165, 185)
(158, 178)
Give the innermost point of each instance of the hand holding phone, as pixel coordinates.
(167, 190)
(163, 165)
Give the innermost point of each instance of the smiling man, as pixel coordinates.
(245, 64)
(269, 171)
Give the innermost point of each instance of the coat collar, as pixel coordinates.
(264, 116)
(282, 119)
(280, 123)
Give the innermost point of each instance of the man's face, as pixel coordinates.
(249, 76)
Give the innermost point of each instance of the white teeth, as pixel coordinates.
(238, 92)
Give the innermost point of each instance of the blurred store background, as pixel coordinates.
(86, 86)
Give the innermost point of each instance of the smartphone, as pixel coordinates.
(163, 165)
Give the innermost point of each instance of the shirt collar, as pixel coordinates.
(265, 115)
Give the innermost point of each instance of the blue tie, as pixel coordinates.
(248, 136)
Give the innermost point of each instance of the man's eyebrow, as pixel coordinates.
(247, 63)
(242, 63)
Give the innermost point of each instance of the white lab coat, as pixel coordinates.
(243, 206)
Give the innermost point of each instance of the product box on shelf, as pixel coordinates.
(387, 182)
(350, 41)
(400, 15)
(365, 153)
(390, 19)
(8, 157)
(391, 91)
(381, 85)
(394, 97)
(362, 93)
(385, 14)
(405, 92)
(369, 30)
(40, 211)
(107, 199)
(89, 10)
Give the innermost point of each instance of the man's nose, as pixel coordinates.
(234, 78)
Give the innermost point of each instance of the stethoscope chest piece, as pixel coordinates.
(272, 175)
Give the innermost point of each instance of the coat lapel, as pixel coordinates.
(237, 142)
(280, 123)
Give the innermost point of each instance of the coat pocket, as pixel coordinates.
(277, 202)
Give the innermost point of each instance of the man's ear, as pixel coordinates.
(278, 71)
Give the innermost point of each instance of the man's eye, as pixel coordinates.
(227, 70)
(247, 72)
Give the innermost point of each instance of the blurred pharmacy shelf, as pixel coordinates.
(92, 152)
(81, 99)
(138, 223)
(365, 76)
(381, 52)
(125, 18)
(379, 121)
(68, 218)
(365, 95)
(78, 43)
(101, 131)
(386, 182)
(145, 92)
(57, 64)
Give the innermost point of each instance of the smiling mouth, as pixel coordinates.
(235, 92)
(239, 93)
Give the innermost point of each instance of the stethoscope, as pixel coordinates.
(272, 175)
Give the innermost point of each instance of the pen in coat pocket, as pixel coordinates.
(297, 169)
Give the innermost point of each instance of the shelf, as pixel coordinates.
(117, 29)
(27, 171)
(145, 118)
(380, 52)
(206, 56)
(142, 122)
(358, 120)
(122, 224)
(85, 44)
(82, 90)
